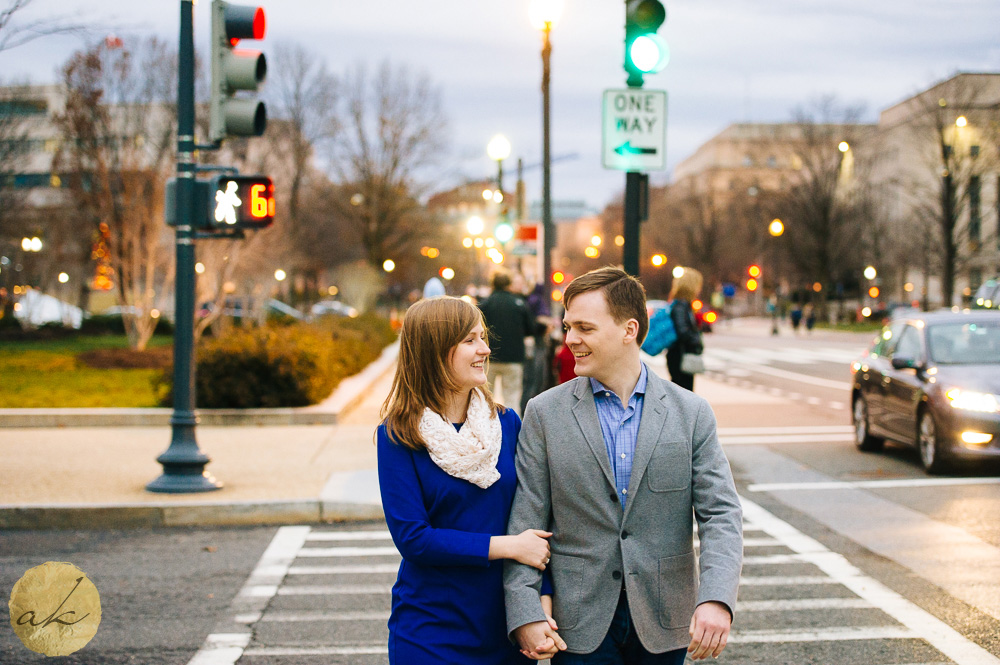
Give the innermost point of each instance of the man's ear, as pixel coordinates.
(631, 331)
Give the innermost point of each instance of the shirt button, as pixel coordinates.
(607, 394)
(623, 455)
(625, 491)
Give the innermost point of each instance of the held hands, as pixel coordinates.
(709, 630)
(539, 640)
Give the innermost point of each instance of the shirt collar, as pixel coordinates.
(640, 385)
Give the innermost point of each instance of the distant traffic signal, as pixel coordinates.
(752, 285)
(235, 70)
(645, 51)
(754, 271)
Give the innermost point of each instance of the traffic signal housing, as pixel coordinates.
(235, 70)
(645, 51)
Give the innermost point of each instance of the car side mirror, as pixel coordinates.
(901, 362)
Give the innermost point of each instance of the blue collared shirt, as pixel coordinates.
(620, 427)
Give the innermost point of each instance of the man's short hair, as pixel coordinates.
(624, 294)
(501, 281)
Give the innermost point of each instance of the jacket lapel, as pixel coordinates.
(585, 411)
(654, 415)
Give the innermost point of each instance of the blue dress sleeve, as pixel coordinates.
(412, 533)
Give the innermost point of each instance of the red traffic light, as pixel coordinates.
(752, 284)
(244, 22)
(558, 277)
(754, 271)
(243, 202)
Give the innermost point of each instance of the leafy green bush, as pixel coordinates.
(285, 365)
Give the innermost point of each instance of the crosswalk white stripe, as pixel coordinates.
(344, 570)
(349, 535)
(923, 625)
(796, 376)
(790, 438)
(347, 551)
(335, 590)
(221, 649)
(786, 430)
(768, 559)
(802, 604)
(834, 634)
(781, 580)
(872, 484)
(360, 650)
(320, 615)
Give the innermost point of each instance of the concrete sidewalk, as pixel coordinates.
(95, 477)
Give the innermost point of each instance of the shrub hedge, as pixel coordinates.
(285, 365)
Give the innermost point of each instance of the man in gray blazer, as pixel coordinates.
(617, 463)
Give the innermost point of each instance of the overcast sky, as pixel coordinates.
(731, 61)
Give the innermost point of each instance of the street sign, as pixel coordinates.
(525, 240)
(634, 132)
(240, 201)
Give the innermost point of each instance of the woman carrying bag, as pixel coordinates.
(684, 358)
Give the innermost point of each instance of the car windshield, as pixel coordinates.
(965, 343)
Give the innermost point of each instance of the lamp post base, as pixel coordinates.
(183, 463)
(177, 482)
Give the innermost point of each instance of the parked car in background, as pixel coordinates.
(332, 308)
(987, 295)
(703, 316)
(932, 380)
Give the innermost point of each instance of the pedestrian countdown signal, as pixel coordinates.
(241, 202)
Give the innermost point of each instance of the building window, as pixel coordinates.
(772, 162)
(975, 214)
(747, 160)
(974, 151)
(975, 278)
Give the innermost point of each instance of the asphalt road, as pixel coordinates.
(850, 557)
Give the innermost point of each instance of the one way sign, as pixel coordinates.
(635, 129)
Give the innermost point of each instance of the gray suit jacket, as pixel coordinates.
(565, 484)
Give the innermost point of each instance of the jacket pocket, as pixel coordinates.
(669, 468)
(567, 589)
(678, 590)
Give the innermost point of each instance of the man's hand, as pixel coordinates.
(538, 640)
(709, 630)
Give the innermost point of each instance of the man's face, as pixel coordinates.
(597, 342)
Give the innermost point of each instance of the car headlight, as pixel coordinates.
(968, 400)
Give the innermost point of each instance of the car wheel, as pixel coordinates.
(931, 453)
(862, 436)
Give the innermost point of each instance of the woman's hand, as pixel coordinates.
(529, 547)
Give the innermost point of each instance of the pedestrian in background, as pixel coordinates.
(685, 289)
(446, 473)
(564, 364)
(795, 315)
(809, 314)
(537, 359)
(509, 322)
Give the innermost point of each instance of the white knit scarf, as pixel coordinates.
(470, 453)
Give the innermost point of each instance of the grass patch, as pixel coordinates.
(51, 373)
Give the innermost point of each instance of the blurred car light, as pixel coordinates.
(968, 400)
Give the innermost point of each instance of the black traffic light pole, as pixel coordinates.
(183, 462)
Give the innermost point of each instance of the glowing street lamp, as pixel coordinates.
(776, 228)
(475, 225)
(870, 272)
(388, 265)
(658, 260)
(280, 275)
(844, 146)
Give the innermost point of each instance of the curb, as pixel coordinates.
(347, 396)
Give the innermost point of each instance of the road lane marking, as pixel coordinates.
(802, 604)
(918, 621)
(221, 649)
(335, 590)
(834, 634)
(360, 650)
(349, 535)
(795, 376)
(870, 484)
(348, 551)
(344, 570)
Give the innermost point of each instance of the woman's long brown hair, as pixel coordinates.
(432, 328)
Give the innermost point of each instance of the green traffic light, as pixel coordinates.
(649, 53)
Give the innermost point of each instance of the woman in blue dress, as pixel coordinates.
(446, 471)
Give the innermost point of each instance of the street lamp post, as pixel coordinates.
(499, 149)
(543, 15)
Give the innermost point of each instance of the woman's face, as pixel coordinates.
(468, 359)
